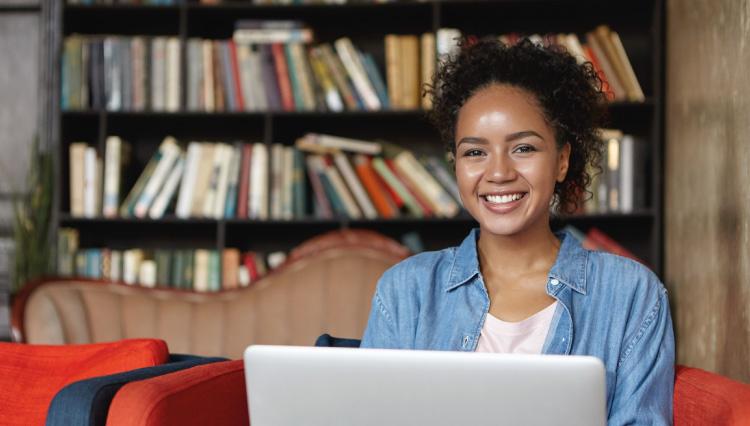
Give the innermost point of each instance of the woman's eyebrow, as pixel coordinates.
(520, 135)
(474, 140)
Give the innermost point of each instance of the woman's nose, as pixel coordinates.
(500, 168)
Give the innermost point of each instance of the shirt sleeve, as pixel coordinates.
(645, 376)
(380, 331)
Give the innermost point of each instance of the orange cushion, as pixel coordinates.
(706, 399)
(31, 375)
(211, 394)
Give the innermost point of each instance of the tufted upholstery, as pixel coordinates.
(325, 286)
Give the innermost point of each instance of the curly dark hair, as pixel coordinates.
(570, 96)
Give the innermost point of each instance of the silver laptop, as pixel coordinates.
(289, 385)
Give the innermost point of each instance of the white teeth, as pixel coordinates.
(503, 199)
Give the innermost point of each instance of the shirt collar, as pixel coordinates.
(569, 267)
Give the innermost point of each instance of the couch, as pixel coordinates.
(325, 285)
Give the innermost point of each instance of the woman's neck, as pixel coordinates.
(533, 250)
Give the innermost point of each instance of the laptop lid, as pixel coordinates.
(339, 386)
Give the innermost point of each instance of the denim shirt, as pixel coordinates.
(609, 307)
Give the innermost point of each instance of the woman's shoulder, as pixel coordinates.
(623, 275)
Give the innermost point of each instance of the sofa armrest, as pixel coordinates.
(703, 398)
(87, 402)
(206, 394)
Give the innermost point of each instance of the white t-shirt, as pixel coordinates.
(524, 337)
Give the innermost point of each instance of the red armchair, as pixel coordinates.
(215, 393)
(706, 399)
(31, 375)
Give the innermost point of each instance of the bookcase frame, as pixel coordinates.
(639, 22)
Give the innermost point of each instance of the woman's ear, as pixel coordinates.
(563, 160)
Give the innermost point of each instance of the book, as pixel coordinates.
(76, 161)
(233, 179)
(282, 77)
(270, 79)
(168, 191)
(230, 268)
(203, 179)
(277, 184)
(299, 186)
(311, 141)
(333, 99)
(344, 86)
(244, 181)
(188, 181)
(337, 183)
(438, 170)
(427, 52)
(373, 74)
(355, 186)
(222, 185)
(258, 195)
(424, 183)
(201, 270)
(393, 70)
(323, 208)
(409, 72)
(208, 77)
(112, 172)
(89, 182)
(395, 184)
(172, 84)
(170, 153)
(380, 199)
(350, 59)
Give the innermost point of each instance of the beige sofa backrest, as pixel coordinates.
(325, 287)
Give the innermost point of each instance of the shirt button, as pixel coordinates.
(554, 281)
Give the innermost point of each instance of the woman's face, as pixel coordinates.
(507, 161)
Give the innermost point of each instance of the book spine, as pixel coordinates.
(427, 65)
(170, 154)
(322, 204)
(244, 182)
(167, 193)
(354, 68)
(89, 183)
(112, 173)
(233, 182)
(363, 201)
(208, 77)
(282, 76)
(331, 95)
(335, 69)
(189, 176)
(227, 80)
(222, 184)
(294, 79)
(236, 77)
(259, 182)
(173, 74)
(393, 70)
(385, 172)
(270, 80)
(77, 155)
(378, 195)
(287, 208)
(299, 185)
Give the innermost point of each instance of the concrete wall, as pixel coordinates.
(707, 201)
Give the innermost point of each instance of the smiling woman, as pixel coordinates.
(521, 122)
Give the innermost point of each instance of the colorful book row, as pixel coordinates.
(322, 176)
(200, 270)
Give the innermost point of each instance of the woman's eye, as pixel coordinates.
(523, 149)
(472, 153)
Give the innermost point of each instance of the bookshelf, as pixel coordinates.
(639, 23)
